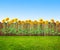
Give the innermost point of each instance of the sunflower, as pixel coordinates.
(12, 21)
(41, 21)
(57, 22)
(3, 21)
(7, 19)
(22, 22)
(15, 20)
(52, 21)
(29, 21)
(35, 22)
(26, 21)
(19, 22)
(46, 22)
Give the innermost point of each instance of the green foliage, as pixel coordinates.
(39, 29)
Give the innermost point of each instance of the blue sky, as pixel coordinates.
(30, 9)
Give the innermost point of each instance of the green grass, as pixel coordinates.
(29, 43)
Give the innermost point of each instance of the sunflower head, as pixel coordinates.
(22, 22)
(35, 22)
(3, 21)
(19, 22)
(12, 21)
(41, 19)
(15, 20)
(9, 22)
(52, 21)
(7, 19)
(29, 20)
(46, 22)
(31, 23)
(57, 22)
(43, 22)
(26, 21)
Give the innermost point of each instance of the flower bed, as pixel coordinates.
(17, 27)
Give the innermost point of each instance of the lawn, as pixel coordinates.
(29, 42)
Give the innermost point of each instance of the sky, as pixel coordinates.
(30, 9)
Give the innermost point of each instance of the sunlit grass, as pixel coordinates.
(29, 43)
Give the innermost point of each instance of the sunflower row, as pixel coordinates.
(16, 26)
